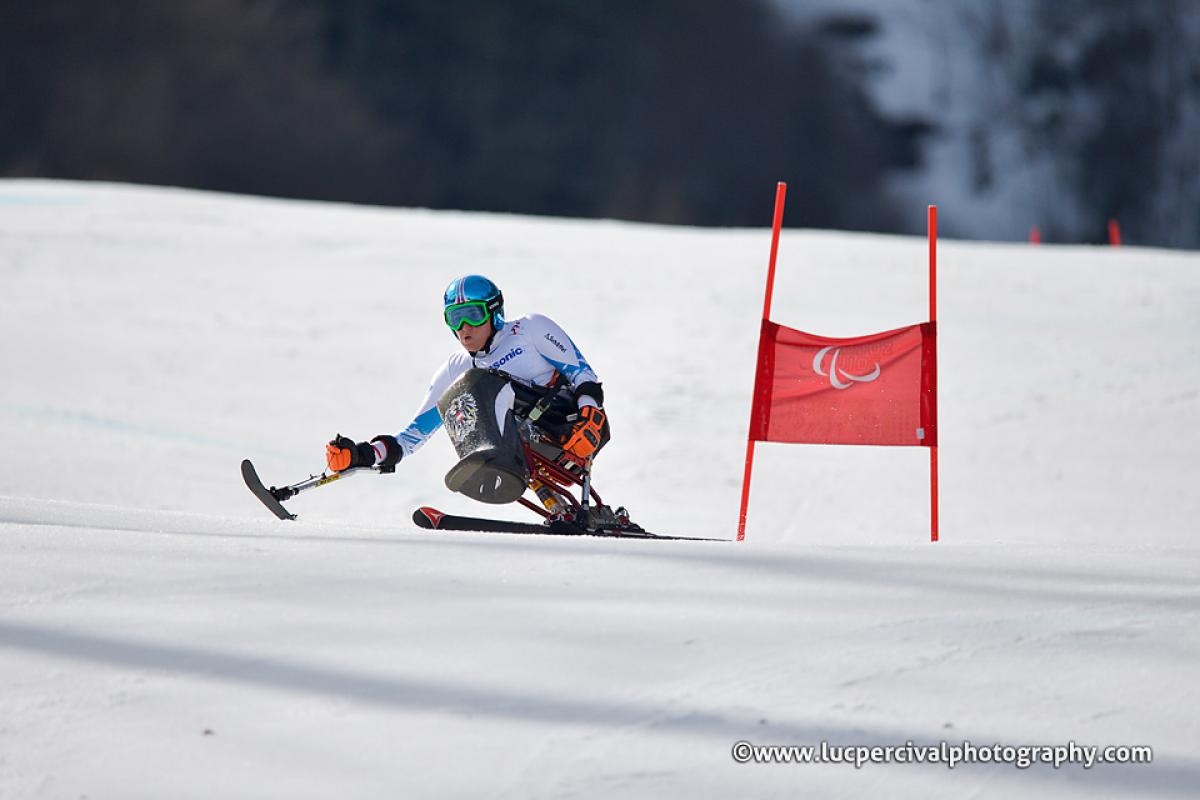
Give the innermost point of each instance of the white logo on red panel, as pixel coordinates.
(839, 377)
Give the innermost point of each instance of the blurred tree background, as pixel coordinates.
(666, 111)
(661, 110)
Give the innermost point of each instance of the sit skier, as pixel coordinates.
(528, 369)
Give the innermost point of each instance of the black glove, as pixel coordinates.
(392, 453)
(342, 454)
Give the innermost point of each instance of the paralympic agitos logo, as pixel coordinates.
(839, 378)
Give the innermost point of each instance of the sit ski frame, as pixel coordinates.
(561, 481)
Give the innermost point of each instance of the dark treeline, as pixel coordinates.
(660, 110)
(1099, 99)
(1111, 90)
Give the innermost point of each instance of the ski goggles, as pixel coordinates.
(473, 312)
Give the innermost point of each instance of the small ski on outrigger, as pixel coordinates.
(273, 498)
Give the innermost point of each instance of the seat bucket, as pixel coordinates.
(477, 413)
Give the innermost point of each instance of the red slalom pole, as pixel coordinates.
(776, 225)
(1114, 233)
(933, 451)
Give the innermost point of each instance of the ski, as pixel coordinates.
(255, 485)
(273, 498)
(430, 518)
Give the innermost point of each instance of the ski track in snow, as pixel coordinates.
(161, 635)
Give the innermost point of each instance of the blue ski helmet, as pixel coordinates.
(473, 299)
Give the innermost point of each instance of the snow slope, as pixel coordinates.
(160, 635)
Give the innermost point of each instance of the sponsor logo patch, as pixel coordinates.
(509, 356)
(433, 515)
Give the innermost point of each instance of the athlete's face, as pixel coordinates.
(473, 338)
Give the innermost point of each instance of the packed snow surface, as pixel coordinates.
(161, 635)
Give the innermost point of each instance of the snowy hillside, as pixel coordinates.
(160, 635)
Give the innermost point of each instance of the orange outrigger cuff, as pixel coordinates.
(585, 439)
(338, 458)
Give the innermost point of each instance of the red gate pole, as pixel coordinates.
(933, 451)
(780, 195)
